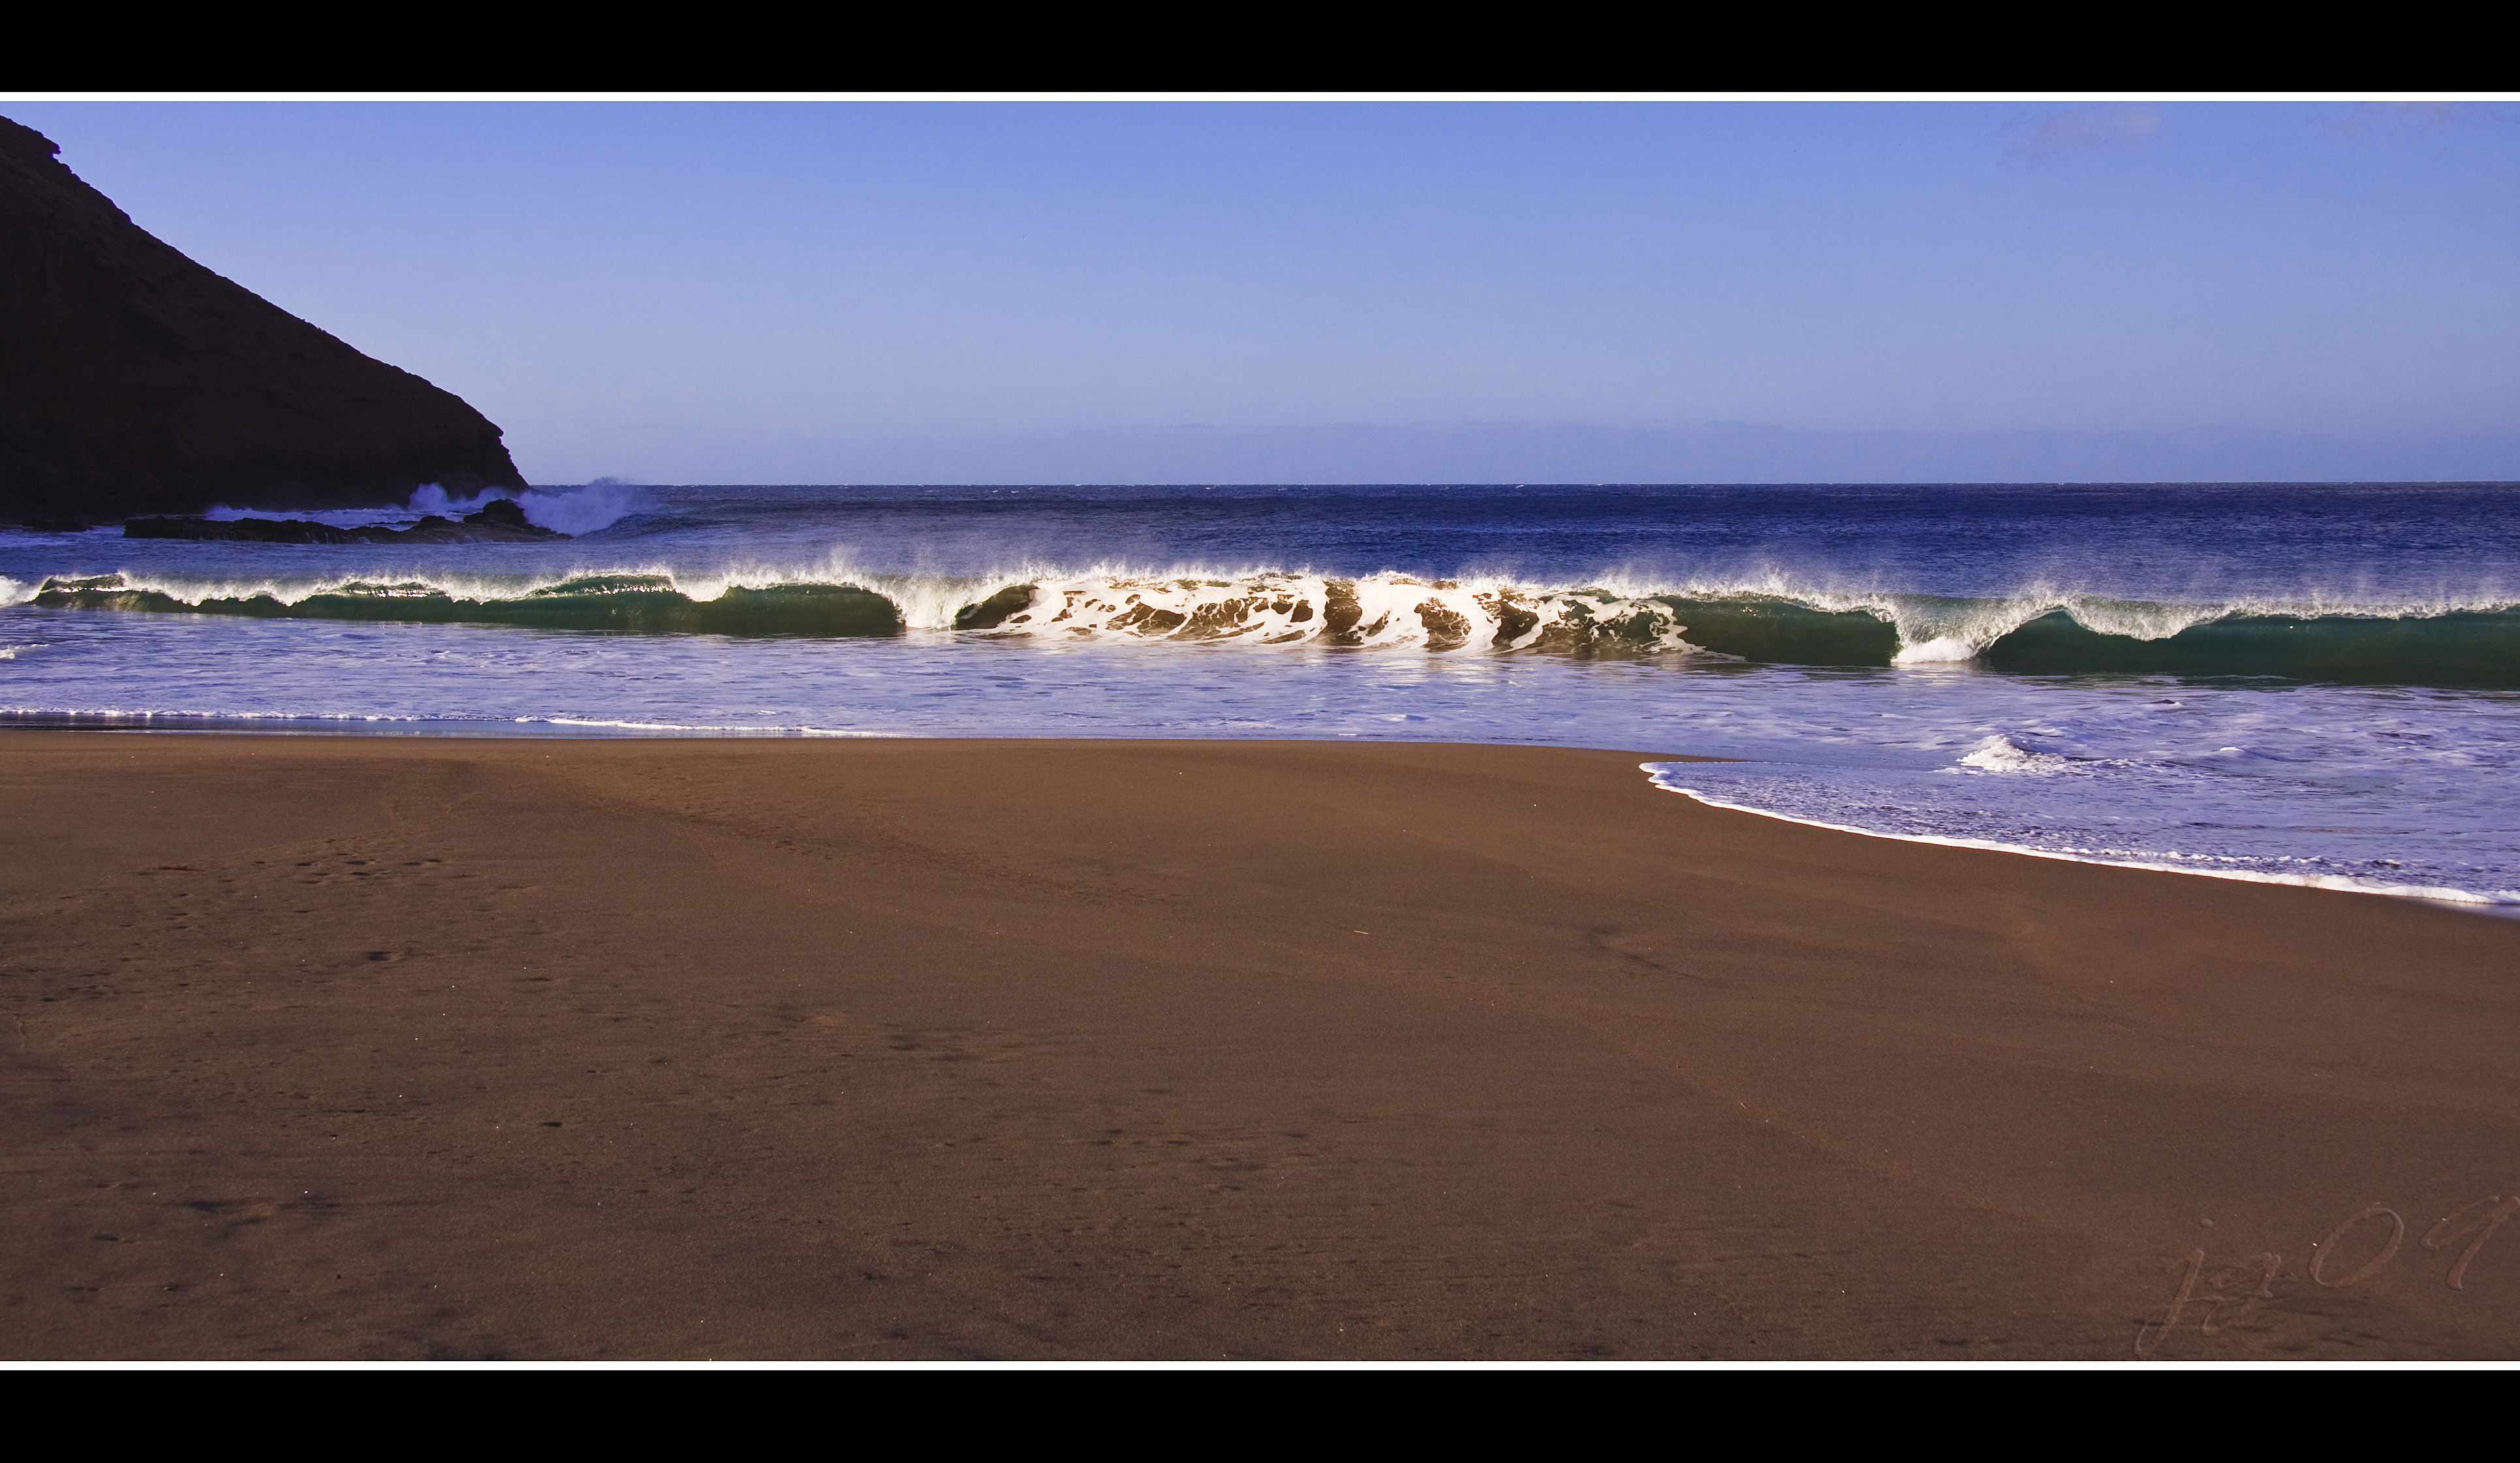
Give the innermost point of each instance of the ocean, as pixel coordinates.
(2309, 683)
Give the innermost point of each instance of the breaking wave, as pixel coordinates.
(2036, 632)
(566, 510)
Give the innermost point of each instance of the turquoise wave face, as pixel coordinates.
(2467, 647)
(622, 604)
(2457, 648)
(1783, 631)
(2451, 648)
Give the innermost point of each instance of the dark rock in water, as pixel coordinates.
(239, 530)
(57, 526)
(499, 522)
(134, 380)
(504, 512)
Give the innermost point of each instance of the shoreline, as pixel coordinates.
(2465, 900)
(2469, 901)
(409, 1047)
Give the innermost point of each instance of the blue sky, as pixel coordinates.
(1324, 291)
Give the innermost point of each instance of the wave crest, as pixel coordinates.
(1379, 609)
(2038, 632)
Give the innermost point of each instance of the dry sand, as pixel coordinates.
(368, 1048)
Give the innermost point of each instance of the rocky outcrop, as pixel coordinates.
(497, 522)
(134, 380)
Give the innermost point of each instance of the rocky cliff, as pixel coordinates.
(134, 380)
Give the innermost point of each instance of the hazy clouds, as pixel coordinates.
(2087, 126)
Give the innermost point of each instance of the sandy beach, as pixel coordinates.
(867, 1050)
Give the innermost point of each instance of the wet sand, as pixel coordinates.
(381, 1048)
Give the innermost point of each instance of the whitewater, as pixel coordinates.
(2312, 683)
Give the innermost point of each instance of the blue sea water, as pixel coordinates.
(2302, 682)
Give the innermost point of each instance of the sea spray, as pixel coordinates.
(563, 510)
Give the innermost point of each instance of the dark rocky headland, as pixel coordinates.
(133, 380)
